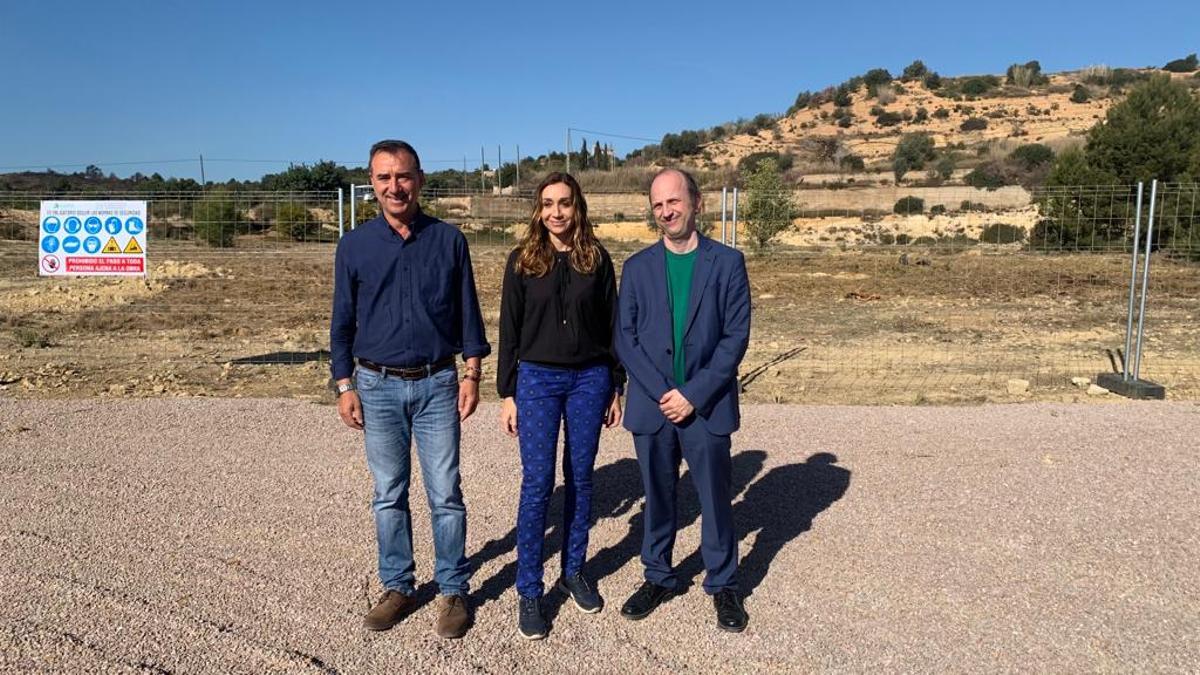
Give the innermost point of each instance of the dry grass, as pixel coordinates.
(948, 326)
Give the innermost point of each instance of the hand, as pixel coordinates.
(675, 407)
(468, 398)
(350, 410)
(613, 417)
(508, 416)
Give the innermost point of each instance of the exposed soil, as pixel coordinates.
(877, 325)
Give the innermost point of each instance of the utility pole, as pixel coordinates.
(465, 185)
(203, 182)
(499, 166)
(482, 185)
(518, 183)
(568, 149)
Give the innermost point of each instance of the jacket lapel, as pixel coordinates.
(701, 274)
(658, 275)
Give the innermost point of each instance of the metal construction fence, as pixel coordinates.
(928, 291)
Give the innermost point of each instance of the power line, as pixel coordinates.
(604, 133)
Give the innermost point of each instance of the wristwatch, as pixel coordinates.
(344, 387)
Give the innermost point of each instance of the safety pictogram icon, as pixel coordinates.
(111, 246)
(132, 246)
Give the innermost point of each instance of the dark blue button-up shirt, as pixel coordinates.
(403, 302)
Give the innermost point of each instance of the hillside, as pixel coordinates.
(972, 118)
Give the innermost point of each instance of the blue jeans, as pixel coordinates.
(546, 398)
(394, 412)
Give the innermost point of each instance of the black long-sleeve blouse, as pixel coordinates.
(562, 318)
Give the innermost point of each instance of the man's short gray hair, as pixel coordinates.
(393, 147)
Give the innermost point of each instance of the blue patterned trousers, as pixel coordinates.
(546, 398)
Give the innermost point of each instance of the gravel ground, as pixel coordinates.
(236, 536)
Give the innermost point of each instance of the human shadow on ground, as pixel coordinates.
(780, 506)
(746, 465)
(617, 491)
(616, 488)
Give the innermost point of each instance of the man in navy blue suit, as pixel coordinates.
(683, 328)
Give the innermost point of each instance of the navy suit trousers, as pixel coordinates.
(710, 467)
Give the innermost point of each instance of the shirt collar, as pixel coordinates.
(418, 224)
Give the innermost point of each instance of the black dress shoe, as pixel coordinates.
(731, 616)
(645, 599)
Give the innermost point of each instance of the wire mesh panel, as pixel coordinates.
(953, 293)
(873, 294)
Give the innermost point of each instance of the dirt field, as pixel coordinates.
(855, 326)
(202, 536)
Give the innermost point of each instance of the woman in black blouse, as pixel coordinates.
(557, 367)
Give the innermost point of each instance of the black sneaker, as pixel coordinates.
(586, 598)
(731, 616)
(645, 599)
(530, 621)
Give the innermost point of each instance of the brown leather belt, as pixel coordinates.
(412, 373)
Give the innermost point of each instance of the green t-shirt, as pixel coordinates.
(679, 288)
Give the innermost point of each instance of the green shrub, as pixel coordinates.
(1002, 233)
(989, 175)
(979, 86)
(769, 207)
(911, 154)
(937, 210)
(945, 166)
(888, 119)
(1184, 65)
(1032, 155)
(932, 81)
(909, 205)
(216, 220)
(683, 143)
(875, 77)
(852, 163)
(293, 220)
(924, 240)
(803, 100)
(941, 113)
(1080, 95)
(845, 122)
(841, 98)
(914, 71)
(974, 124)
(748, 163)
(968, 205)
(1025, 75)
(921, 116)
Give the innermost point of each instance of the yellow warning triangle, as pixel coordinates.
(111, 246)
(132, 246)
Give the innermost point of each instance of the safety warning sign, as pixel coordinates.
(71, 232)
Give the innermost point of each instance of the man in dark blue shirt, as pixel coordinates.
(404, 305)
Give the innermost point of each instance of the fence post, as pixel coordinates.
(733, 238)
(724, 233)
(1137, 231)
(341, 201)
(1120, 383)
(1137, 363)
(353, 204)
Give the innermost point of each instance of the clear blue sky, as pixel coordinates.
(123, 81)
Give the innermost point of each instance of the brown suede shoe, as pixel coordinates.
(391, 609)
(453, 617)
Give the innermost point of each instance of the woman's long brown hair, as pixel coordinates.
(536, 255)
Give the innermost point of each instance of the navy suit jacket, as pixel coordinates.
(718, 331)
